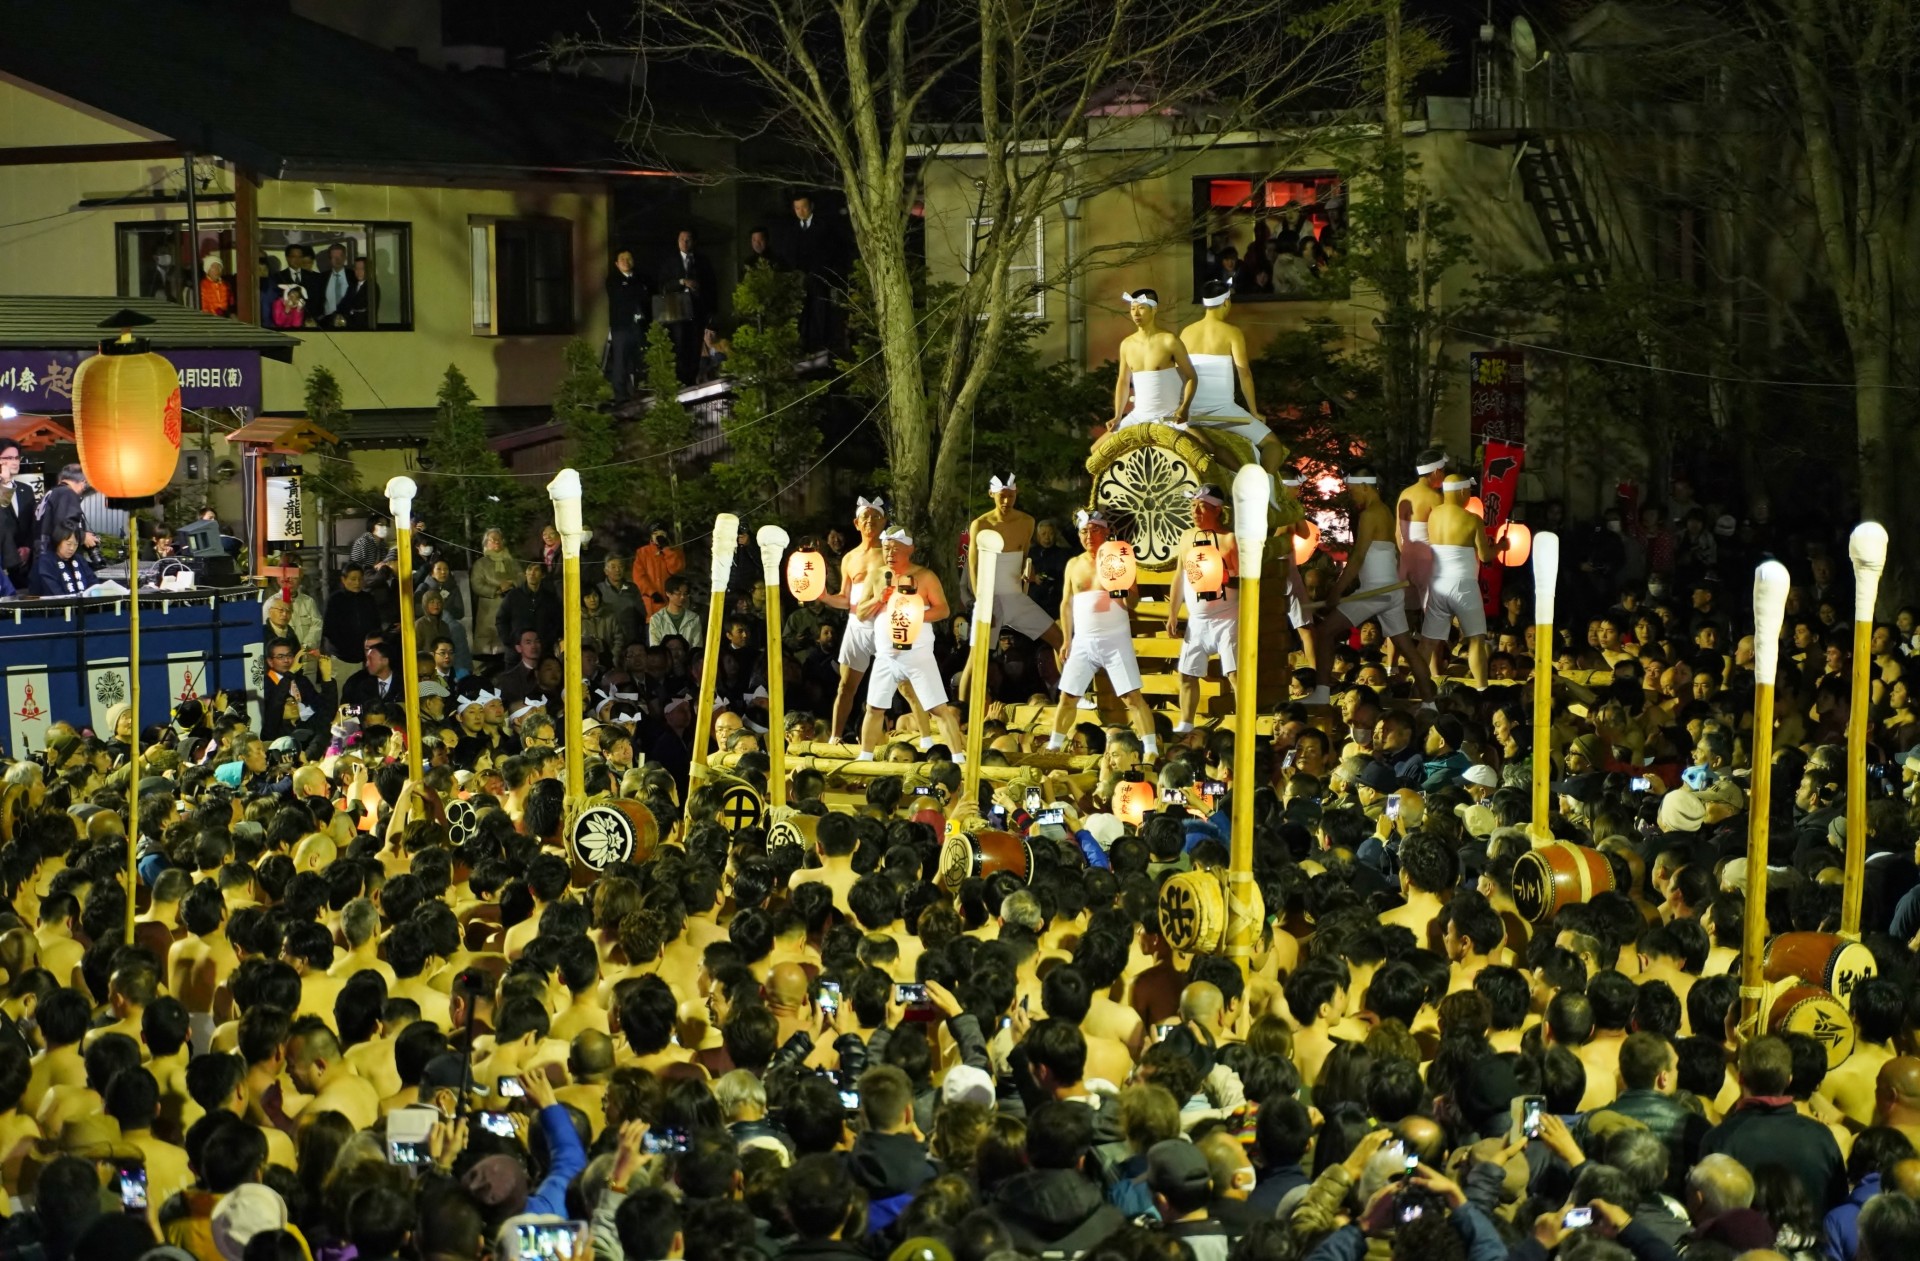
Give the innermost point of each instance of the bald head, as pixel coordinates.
(786, 987)
(1201, 1004)
(315, 852)
(1906, 1178)
(590, 1056)
(1898, 1090)
(1424, 1138)
(1227, 1165)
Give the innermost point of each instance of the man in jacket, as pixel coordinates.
(887, 1160)
(686, 278)
(1765, 1128)
(824, 1205)
(628, 310)
(286, 683)
(1055, 1206)
(16, 515)
(353, 616)
(1649, 1072)
(62, 510)
(653, 563)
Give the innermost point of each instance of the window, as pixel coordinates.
(1274, 238)
(375, 292)
(1026, 269)
(522, 276)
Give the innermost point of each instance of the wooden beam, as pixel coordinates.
(246, 245)
(66, 154)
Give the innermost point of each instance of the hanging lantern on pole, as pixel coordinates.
(1206, 570)
(1115, 567)
(906, 617)
(1304, 545)
(806, 574)
(1514, 543)
(126, 414)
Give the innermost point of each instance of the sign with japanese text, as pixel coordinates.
(1499, 487)
(1497, 395)
(41, 381)
(284, 523)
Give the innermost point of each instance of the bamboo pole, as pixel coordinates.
(988, 548)
(773, 547)
(1546, 576)
(1252, 489)
(133, 708)
(726, 531)
(1868, 549)
(1770, 583)
(564, 491)
(400, 496)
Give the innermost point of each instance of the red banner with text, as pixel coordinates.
(1499, 486)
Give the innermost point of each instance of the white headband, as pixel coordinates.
(896, 536)
(466, 703)
(877, 505)
(1140, 299)
(1457, 483)
(1435, 467)
(528, 708)
(485, 697)
(1221, 300)
(1082, 519)
(1363, 481)
(1202, 495)
(995, 485)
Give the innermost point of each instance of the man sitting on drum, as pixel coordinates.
(1098, 628)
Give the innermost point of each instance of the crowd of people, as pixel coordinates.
(349, 1022)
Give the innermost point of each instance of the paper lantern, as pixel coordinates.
(1477, 508)
(1514, 542)
(1304, 544)
(906, 618)
(1114, 566)
(806, 575)
(1206, 570)
(126, 418)
(1131, 801)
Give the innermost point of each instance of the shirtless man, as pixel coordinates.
(1213, 622)
(1097, 626)
(914, 666)
(856, 644)
(1218, 352)
(834, 840)
(1154, 370)
(1372, 564)
(200, 963)
(1460, 545)
(320, 1071)
(1410, 513)
(1012, 606)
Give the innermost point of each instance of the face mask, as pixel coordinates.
(1613, 527)
(379, 531)
(164, 260)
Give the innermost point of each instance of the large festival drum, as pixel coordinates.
(982, 854)
(1793, 1007)
(1193, 913)
(1141, 476)
(621, 830)
(1556, 875)
(1824, 959)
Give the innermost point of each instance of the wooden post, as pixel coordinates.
(133, 708)
(400, 495)
(1252, 489)
(773, 549)
(987, 549)
(1868, 548)
(246, 245)
(1770, 583)
(564, 490)
(1546, 574)
(726, 532)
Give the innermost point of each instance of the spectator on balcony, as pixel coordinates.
(299, 271)
(812, 247)
(336, 283)
(61, 510)
(687, 284)
(354, 311)
(60, 569)
(163, 278)
(759, 252)
(370, 548)
(290, 308)
(216, 295)
(626, 325)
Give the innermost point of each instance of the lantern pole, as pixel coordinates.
(1770, 583)
(565, 492)
(1868, 549)
(1546, 574)
(726, 533)
(987, 548)
(400, 496)
(133, 708)
(1252, 489)
(773, 546)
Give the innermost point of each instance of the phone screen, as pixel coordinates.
(1033, 800)
(1530, 1111)
(850, 1100)
(1393, 806)
(1053, 817)
(510, 1088)
(500, 1123)
(133, 1188)
(1640, 783)
(1178, 796)
(910, 994)
(829, 999)
(549, 1241)
(998, 814)
(403, 1152)
(1577, 1218)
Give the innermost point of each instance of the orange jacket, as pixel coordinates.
(652, 566)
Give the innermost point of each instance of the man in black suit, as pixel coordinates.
(16, 515)
(299, 271)
(378, 684)
(811, 246)
(759, 252)
(285, 681)
(627, 313)
(686, 278)
(329, 301)
(63, 511)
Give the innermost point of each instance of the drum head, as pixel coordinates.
(1532, 886)
(957, 859)
(607, 834)
(1820, 1016)
(462, 820)
(1185, 917)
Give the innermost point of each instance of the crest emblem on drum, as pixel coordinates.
(784, 833)
(741, 807)
(462, 821)
(602, 837)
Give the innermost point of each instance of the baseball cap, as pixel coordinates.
(1379, 777)
(1724, 792)
(1175, 1166)
(966, 1084)
(1486, 1094)
(249, 1209)
(1682, 811)
(1588, 747)
(433, 687)
(1585, 788)
(1482, 775)
(1479, 821)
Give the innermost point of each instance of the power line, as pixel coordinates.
(1680, 372)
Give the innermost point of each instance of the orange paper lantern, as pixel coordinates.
(1304, 544)
(1115, 567)
(1206, 570)
(126, 419)
(1514, 542)
(906, 618)
(807, 575)
(1477, 508)
(1131, 801)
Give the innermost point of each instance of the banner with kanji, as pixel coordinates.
(29, 709)
(1497, 395)
(284, 523)
(1499, 487)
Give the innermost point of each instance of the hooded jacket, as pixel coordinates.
(891, 1167)
(1048, 1208)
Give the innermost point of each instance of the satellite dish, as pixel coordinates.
(1526, 48)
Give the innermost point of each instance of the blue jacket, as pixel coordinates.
(1482, 1240)
(568, 1159)
(1840, 1231)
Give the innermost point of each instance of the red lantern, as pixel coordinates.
(1514, 542)
(1131, 801)
(806, 575)
(906, 618)
(1304, 544)
(126, 416)
(1477, 508)
(1206, 570)
(1115, 567)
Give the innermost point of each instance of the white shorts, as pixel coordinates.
(1016, 609)
(1297, 615)
(1210, 637)
(856, 645)
(1387, 608)
(1112, 652)
(1454, 598)
(1416, 566)
(916, 666)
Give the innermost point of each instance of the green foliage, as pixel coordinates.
(471, 489)
(772, 426)
(582, 408)
(331, 474)
(654, 442)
